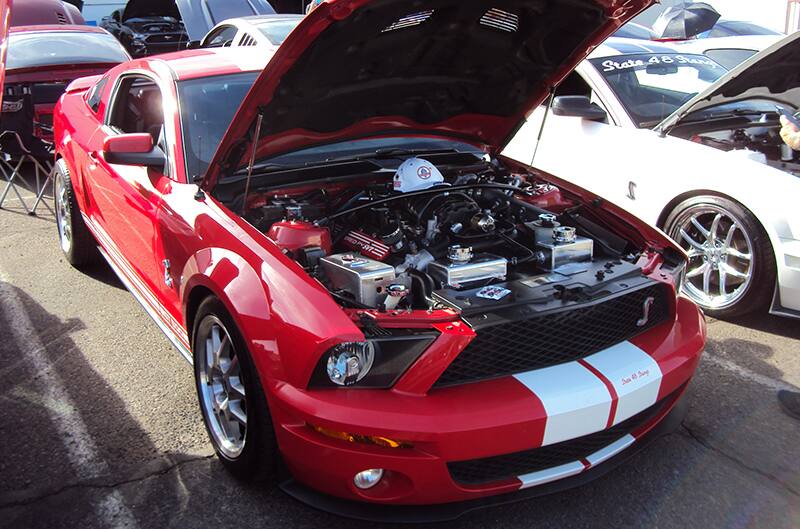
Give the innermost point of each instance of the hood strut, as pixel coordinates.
(544, 121)
(253, 147)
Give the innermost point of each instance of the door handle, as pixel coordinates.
(94, 156)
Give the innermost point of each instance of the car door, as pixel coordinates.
(127, 196)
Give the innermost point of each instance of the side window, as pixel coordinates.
(574, 85)
(96, 94)
(222, 37)
(137, 107)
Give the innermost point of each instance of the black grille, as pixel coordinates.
(554, 338)
(491, 469)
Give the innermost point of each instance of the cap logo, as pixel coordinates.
(424, 172)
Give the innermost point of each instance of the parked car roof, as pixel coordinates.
(45, 28)
(193, 64)
(32, 12)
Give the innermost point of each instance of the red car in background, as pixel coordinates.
(41, 61)
(369, 293)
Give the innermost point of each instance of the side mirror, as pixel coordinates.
(133, 149)
(578, 107)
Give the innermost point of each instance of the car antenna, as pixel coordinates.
(252, 161)
(544, 121)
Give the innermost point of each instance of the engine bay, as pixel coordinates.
(435, 237)
(753, 132)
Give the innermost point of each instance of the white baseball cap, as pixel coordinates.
(416, 174)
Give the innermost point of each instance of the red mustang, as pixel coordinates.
(370, 294)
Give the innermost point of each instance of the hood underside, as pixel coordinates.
(468, 70)
(773, 74)
(150, 8)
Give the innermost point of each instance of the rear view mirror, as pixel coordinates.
(578, 107)
(133, 149)
(662, 69)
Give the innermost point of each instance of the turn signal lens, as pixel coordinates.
(355, 438)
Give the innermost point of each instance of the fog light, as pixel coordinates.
(368, 478)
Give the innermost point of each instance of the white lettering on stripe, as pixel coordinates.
(634, 374)
(576, 401)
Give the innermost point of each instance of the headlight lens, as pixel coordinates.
(349, 362)
(374, 363)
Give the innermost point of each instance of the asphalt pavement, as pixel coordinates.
(99, 424)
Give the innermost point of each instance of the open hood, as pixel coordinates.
(150, 8)
(199, 16)
(466, 70)
(773, 74)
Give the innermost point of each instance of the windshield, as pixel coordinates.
(653, 86)
(208, 105)
(277, 31)
(53, 48)
(735, 28)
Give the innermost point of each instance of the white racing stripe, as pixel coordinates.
(54, 398)
(611, 450)
(577, 402)
(550, 474)
(634, 374)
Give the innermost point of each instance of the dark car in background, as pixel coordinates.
(148, 27)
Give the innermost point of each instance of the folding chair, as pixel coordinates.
(13, 155)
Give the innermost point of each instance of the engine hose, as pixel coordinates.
(426, 286)
(536, 210)
(520, 260)
(405, 196)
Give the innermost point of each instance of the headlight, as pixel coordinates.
(375, 363)
(349, 362)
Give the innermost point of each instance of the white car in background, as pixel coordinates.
(728, 51)
(733, 207)
(259, 30)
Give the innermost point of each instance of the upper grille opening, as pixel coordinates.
(408, 21)
(554, 338)
(502, 20)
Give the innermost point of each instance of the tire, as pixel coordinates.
(732, 268)
(256, 459)
(76, 241)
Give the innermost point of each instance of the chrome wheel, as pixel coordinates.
(222, 393)
(720, 270)
(63, 214)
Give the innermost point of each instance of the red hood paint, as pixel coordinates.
(5, 23)
(466, 70)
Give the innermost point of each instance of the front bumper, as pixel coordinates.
(450, 511)
(483, 420)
